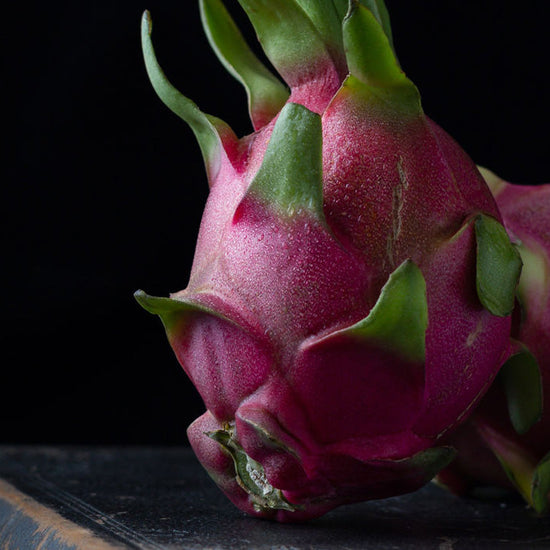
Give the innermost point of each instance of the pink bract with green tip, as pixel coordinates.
(350, 298)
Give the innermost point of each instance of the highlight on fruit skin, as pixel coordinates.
(506, 442)
(351, 294)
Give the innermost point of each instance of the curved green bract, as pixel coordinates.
(498, 266)
(369, 52)
(266, 94)
(518, 469)
(326, 9)
(523, 387)
(169, 310)
(540, 489)
(288, 36)
(432, 460)
(207, 129)
(380, 12)
(250, 475)
(399, 319)
(326, 19)
(290, 177)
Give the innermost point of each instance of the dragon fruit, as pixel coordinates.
(511, 428)
(351, 294)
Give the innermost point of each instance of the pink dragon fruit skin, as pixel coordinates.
(506, 442)
(350, 297)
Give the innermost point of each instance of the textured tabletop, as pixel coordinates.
(105, 498)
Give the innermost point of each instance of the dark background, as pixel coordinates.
(103, 188)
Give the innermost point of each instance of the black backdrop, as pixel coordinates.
(103, 188)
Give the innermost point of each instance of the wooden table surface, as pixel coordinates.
(60, 498)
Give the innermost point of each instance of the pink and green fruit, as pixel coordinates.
(351, 294)
(506, 442)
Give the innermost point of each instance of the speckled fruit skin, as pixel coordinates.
(335, 322)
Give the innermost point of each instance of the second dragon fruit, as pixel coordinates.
(350, 298)
(506, 442)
